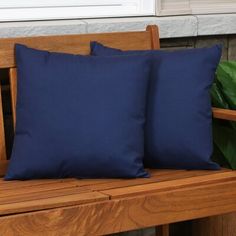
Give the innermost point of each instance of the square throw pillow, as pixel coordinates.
(179, 118)
(79, 116)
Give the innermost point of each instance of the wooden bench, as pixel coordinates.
(99, 207)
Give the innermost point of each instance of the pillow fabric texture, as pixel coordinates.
(79, 116)
(179, 117)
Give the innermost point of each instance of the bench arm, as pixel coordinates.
(224, 114)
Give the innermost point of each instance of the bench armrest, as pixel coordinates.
(224, 114)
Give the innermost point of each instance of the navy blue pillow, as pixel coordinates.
(179, 119)
(79, 116)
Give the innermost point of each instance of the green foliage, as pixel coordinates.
(223, 94)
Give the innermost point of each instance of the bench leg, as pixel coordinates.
(162, 230)
(224, 225)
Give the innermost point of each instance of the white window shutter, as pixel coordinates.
(14, 10)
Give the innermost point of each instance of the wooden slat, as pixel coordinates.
(103, 184)
(24, 191)
(42, 194)
(155, 39)
(9, 185)
(14, 184)
(51, 202)
(170, 185)
(126, 213)
(37, 188)
(224, 114)
(2, 133)
(75, 44)
(13, 91)
(157, 178)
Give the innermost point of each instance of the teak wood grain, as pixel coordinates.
(13, 91)
(78, 44)
(48, 201)
(31, 189)
(156, 177)
(105, 206)
(170, 185)
(224, 114)
(20, 191)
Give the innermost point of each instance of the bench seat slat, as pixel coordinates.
(103, 184)
(26, 193)
(156, 178)
(34, 195)
(174, 184)
(51, 202)
(123, 214)
(14, 184)
(38, 188)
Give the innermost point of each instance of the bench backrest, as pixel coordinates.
(76, 44)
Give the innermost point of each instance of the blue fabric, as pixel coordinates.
(179, 119)
(79, 116)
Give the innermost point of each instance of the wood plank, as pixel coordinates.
(9, 185)
(13, 90)
(51, 202)
(126, 213)
(29, 196)
(155, 39)
(104, 184)
(38, 188)
(15, 184)
(224, 114)
(170, 185)
(20, 184)
(75, 44)
(9, 188)
(2, 132)
(156, 177)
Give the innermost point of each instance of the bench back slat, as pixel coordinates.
(75, 44)
(13, 92)
(79, 44)
(2, 132)
(155, 37)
